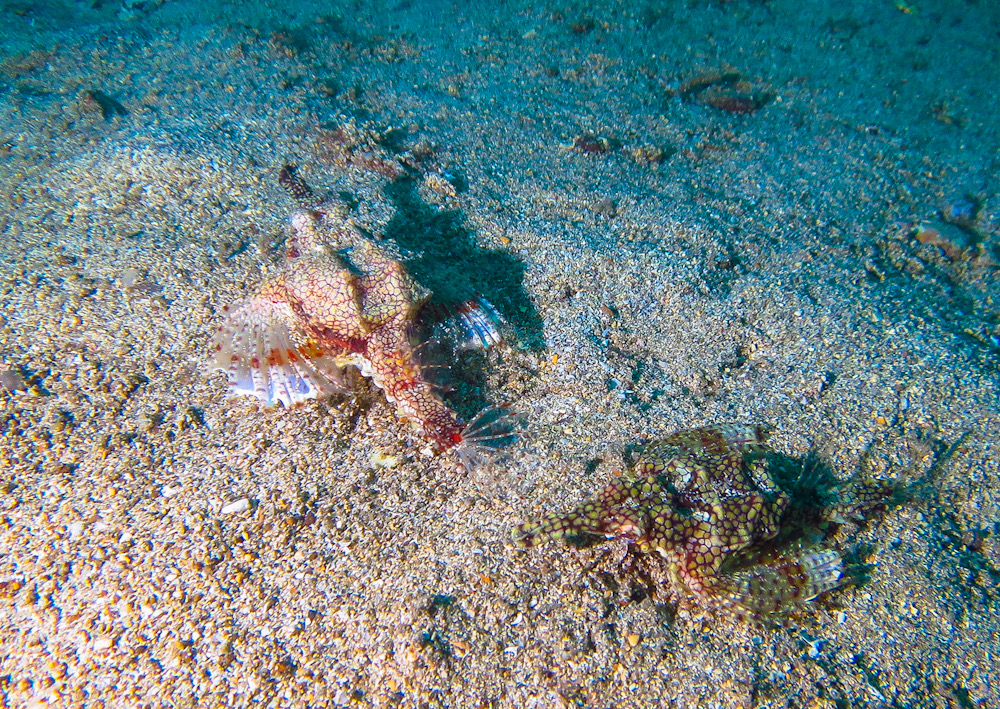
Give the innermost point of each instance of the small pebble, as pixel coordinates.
(12, 380)
(237, 506)
(439, 184)
(129, 277)
(383, 460)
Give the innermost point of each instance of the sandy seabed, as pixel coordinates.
(815, 247)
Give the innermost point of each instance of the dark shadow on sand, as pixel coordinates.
(450, 263)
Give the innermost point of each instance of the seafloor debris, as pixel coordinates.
(964, 213)
(366, 148)
(20, 64)
(109, 106)
(133, 9)
(956, 244)
(726, 90)
(291, 341)
(651, 154)
(12, 379)
(440, 185)
(295, 186)
(594, 144)
(944, 111)
(705, 500)
(928, 234)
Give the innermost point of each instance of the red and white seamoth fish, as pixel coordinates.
(292, 340)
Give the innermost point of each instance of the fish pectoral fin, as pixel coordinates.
(265, 353)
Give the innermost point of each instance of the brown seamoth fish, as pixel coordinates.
(292, 340)
(705, 501)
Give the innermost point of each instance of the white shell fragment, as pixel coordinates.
(240, 505)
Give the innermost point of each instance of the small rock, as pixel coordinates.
(727, 90)
(963, 212)
(593, 144)
(130, 276)
(12, 380)
(240, 505)
(950, 239)
(383, 460)
(439, 184)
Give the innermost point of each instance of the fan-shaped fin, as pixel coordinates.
(469, 325)
(257, 347)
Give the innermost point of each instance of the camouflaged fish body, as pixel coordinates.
(703, 499)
